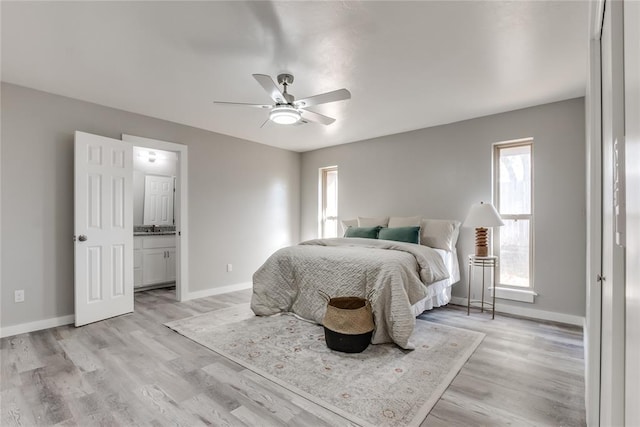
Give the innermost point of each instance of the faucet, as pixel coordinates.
(153, 228)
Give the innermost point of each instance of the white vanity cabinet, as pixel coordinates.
(154, 260)
(137, 261)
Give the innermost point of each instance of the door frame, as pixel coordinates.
(593, 320)
(181, 207)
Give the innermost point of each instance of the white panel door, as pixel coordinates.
(613, 286)
(103, 228)
(158, 200)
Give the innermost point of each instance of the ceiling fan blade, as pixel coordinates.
(333, 96)
(242, 104)
(315, 117)
(270, 86)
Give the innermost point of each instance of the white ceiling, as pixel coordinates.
(408, 65)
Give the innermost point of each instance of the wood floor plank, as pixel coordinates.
(8, 370)
(252, 394)
(133, 370)
(23, 353)
(155, 348)
(84, 358)
(46, 403)
(167, 410)
(211, 411)
(16, 410)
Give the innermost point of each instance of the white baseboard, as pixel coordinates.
(217, 291)
(38, 325)
(8, 331)
(532, 313)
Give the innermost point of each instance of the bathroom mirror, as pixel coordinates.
(154, 174)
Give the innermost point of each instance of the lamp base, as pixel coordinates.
(481, 242)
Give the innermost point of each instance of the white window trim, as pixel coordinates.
(505, 291)
(523, 295)
(322, 218)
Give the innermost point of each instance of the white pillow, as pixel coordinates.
(346, 223)
(439, 233)
(373, 222)
(407, 221)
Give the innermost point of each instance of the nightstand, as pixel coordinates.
(485, 262)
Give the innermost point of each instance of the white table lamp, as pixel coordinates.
(482, 216)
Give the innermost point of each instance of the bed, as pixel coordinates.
(401, 279)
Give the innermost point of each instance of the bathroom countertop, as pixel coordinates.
(153, 233)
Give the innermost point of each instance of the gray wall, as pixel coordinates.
(243, 199)
(440, 172)
(246, 199)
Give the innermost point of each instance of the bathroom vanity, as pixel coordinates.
(154, 263)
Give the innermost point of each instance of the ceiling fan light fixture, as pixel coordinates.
(287, 110)
(284, 115)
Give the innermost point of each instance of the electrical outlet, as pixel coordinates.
(229, 267)
(18, 296)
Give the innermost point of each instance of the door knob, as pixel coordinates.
(82, 238)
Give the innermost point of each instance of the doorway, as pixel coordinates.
(154, 228)
(179, 210)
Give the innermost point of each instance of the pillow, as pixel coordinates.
(366, 232)
(372, 222)
(440, 233)
(346, 223)
(407, 221)
(400, 234)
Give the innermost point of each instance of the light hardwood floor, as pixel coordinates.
(132, 370)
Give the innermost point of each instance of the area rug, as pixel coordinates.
(382, 386)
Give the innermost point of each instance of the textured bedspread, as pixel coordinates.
(393, 273)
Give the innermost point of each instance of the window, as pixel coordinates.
(513, 190)
(328, 226)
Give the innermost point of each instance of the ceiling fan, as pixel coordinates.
(287, 110)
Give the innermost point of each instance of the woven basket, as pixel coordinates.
(348, 324)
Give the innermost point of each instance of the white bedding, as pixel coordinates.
(395, 272)
(440, 291)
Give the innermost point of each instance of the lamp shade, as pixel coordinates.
(483, 215)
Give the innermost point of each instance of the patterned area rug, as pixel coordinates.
(382, 386)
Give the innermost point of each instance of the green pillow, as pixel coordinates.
(401, 234)
(366, 232)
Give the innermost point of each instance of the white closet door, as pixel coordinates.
(632, 140)
(613, 286)
(103, 228)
